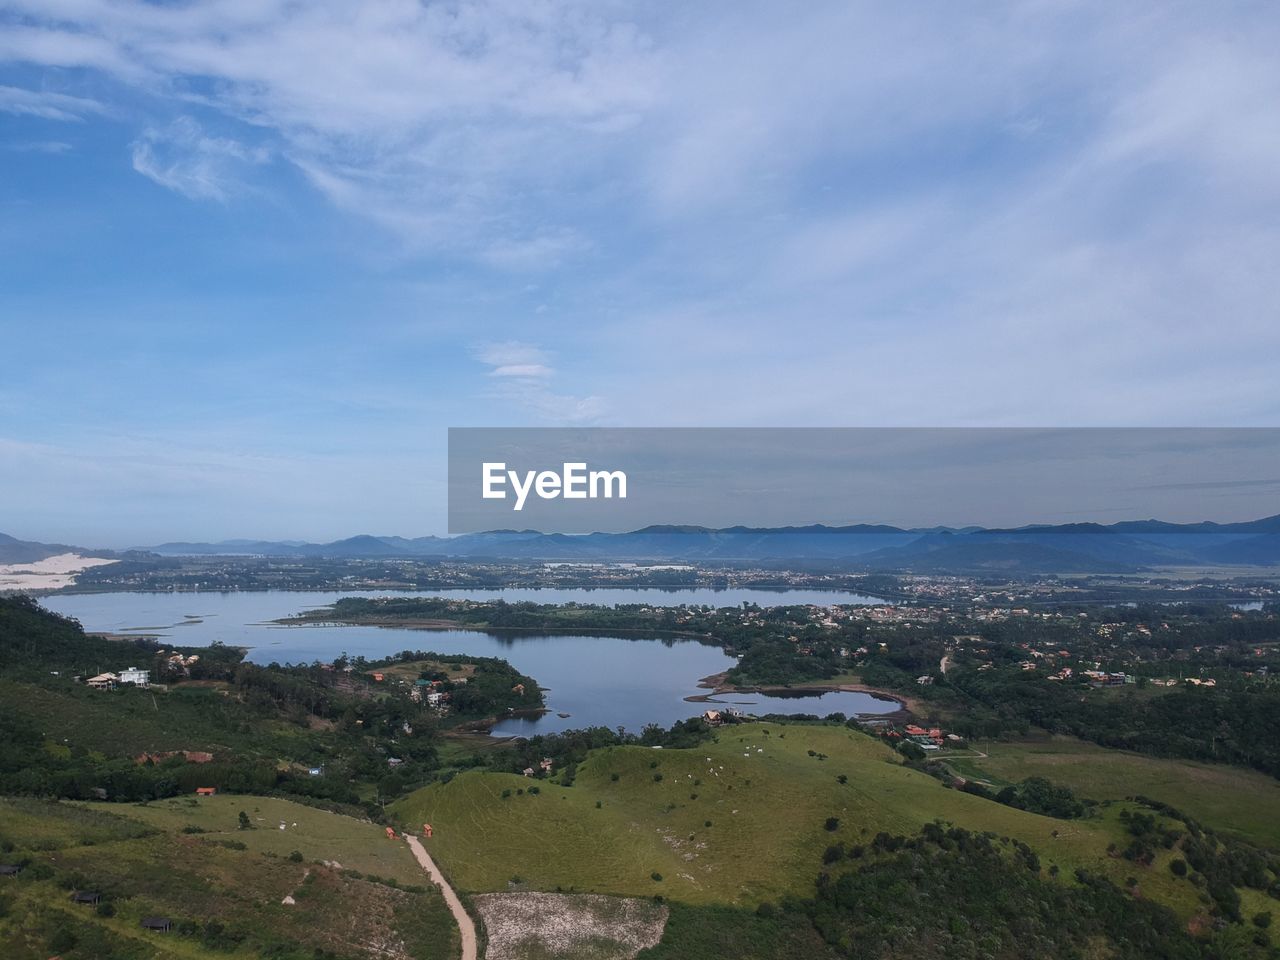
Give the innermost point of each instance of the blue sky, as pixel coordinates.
(256, 257)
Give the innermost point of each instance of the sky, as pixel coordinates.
(256, 257)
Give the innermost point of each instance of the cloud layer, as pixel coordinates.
(595, 211)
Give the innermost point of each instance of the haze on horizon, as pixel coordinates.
(255, 258)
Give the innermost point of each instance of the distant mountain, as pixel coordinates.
(1064, 548)
(13, 550)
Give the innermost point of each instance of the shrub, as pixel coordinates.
(832, 824)
(657, 877)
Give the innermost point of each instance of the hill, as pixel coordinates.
(13, 550)
(326, 886)
(733, 822)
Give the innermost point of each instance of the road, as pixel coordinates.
(465, 926)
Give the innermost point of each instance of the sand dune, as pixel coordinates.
(51, 573)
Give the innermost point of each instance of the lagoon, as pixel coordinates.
(596, 680)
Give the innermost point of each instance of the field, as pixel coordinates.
(738, 821)
(316, 834)
(1229, 799)
(231, 892)
(411, 670)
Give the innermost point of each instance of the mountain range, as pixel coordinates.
(1127, 546)
(1065, 548)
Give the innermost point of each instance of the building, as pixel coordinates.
(87, 897)
(9, 869)
(103, 681)
(160, 924)
(139, 678)
(206, 791)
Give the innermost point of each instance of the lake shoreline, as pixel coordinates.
(717, 685)
(428, 624)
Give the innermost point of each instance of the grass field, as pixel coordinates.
(224, 891)
(319, 835)
(766, 792)
(39, 825)
(1228, 799)
(411, 669)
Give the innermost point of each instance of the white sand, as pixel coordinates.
(51, 573)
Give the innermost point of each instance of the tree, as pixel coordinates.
(244, 821)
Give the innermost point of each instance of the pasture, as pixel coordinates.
(738, 821)
(1243, 803)
(316, 834)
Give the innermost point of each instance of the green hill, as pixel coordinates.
(766, 792)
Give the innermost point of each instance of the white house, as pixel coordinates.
(141, 678)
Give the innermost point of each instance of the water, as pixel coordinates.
(608, 681)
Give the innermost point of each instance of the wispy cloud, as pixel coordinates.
(47, 105)
(40, 146)
(183, 158)
(523, 371)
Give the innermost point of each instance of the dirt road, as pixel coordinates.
(465, 926)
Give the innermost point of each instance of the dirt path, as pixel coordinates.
(465, 925)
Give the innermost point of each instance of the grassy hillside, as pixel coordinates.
(317, 834)
(766, 793)
(1231, 799)
(225, 891)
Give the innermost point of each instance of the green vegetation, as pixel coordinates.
(316, 834)
(784, 838)
(768, 801)
(253, 729)
(222, 898)
(737, 933)
(1237, 802)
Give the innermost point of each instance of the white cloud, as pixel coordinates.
(893, 213)
(522, 373)
(535, 370)
(46, 104)
(183, 158)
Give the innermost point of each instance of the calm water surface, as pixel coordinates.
(610, 681)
